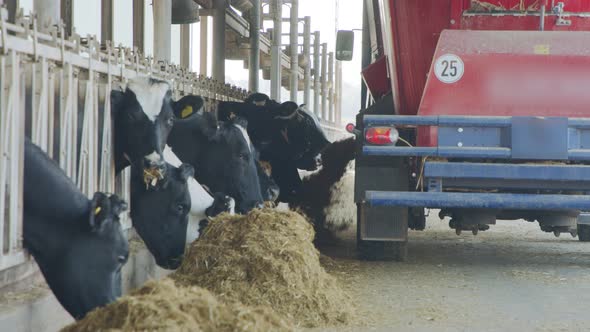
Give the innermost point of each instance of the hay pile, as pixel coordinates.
(266, 258)
(162, 306)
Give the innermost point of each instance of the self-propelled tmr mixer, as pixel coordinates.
(480, 123)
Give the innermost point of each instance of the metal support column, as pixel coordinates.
(276, 53)
(316, 73)
(106, 21)
(306, 55)
(162, 29)
(204, 45)
(338, 92)
(185, 46)
(67, 16)
(330, 80)
(254, 61)
(324, 81)
(219, 40)
(294, 42)
(138, 25)
(48, 13)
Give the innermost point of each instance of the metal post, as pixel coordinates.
(185, 46)
(219, 40)
(254, 61)
(331, 116)
(338, 92)
(67, 16)
(162, 29)
(138, 25)
(106, 21)
(306, 55)
(294, 42)
(275, 54)
(204, 44)
(324, 82)
(316, 73)
(48, 13)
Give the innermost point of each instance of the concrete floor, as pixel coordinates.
(511, 278)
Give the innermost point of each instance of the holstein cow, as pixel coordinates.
(287, 135)
(190, 136)
(143, 117)
(203, 205)
(160, 215)
(223, 156)
(78, 243)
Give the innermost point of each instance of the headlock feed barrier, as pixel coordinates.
(57, 91)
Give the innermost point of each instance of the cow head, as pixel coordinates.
(90, 270)
(161, 216)
(229, 165)
(258, 99)
(144, 115)
(302, 133)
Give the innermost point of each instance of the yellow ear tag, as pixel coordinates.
(97, 211)
(186, 112)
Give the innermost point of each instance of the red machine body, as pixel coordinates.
(411, 29)
(508, 73)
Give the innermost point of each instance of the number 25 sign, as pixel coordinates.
(449, 68)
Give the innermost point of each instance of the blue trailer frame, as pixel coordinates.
(509, 141)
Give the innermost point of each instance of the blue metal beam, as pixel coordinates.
(520, 172)
(438, 200)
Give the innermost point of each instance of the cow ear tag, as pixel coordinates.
(97, 210)
(188, 110)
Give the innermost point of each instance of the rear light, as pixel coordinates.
(350, 128)
(381, 135)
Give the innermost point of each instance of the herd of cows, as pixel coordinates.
(184, 161)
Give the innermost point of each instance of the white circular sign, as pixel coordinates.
(449, 68)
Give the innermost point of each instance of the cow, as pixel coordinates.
(222, 154)
(160, 214)
(143, 118)
(203, 204)
(287, 136)
(78, 243)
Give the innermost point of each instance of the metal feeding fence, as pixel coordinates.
(56, 91)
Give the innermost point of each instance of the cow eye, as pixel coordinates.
(170, 121)
(180, 208)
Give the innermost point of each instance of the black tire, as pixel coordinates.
(584, 233)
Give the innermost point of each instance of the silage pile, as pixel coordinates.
(266, 258)
(162, 306)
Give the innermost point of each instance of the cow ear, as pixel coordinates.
(186, 171)
(188, 106)
(104, 208)
(118, 205)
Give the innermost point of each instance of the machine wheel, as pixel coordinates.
(584, 233)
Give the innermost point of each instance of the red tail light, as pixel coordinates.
(381, 135)
(350, 128)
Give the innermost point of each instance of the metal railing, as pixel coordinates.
(57, 91)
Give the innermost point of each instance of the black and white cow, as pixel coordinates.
(203, 204)
(222, 155)
(287, 135)
(160, 214)
(143, 118)
(78, 243)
